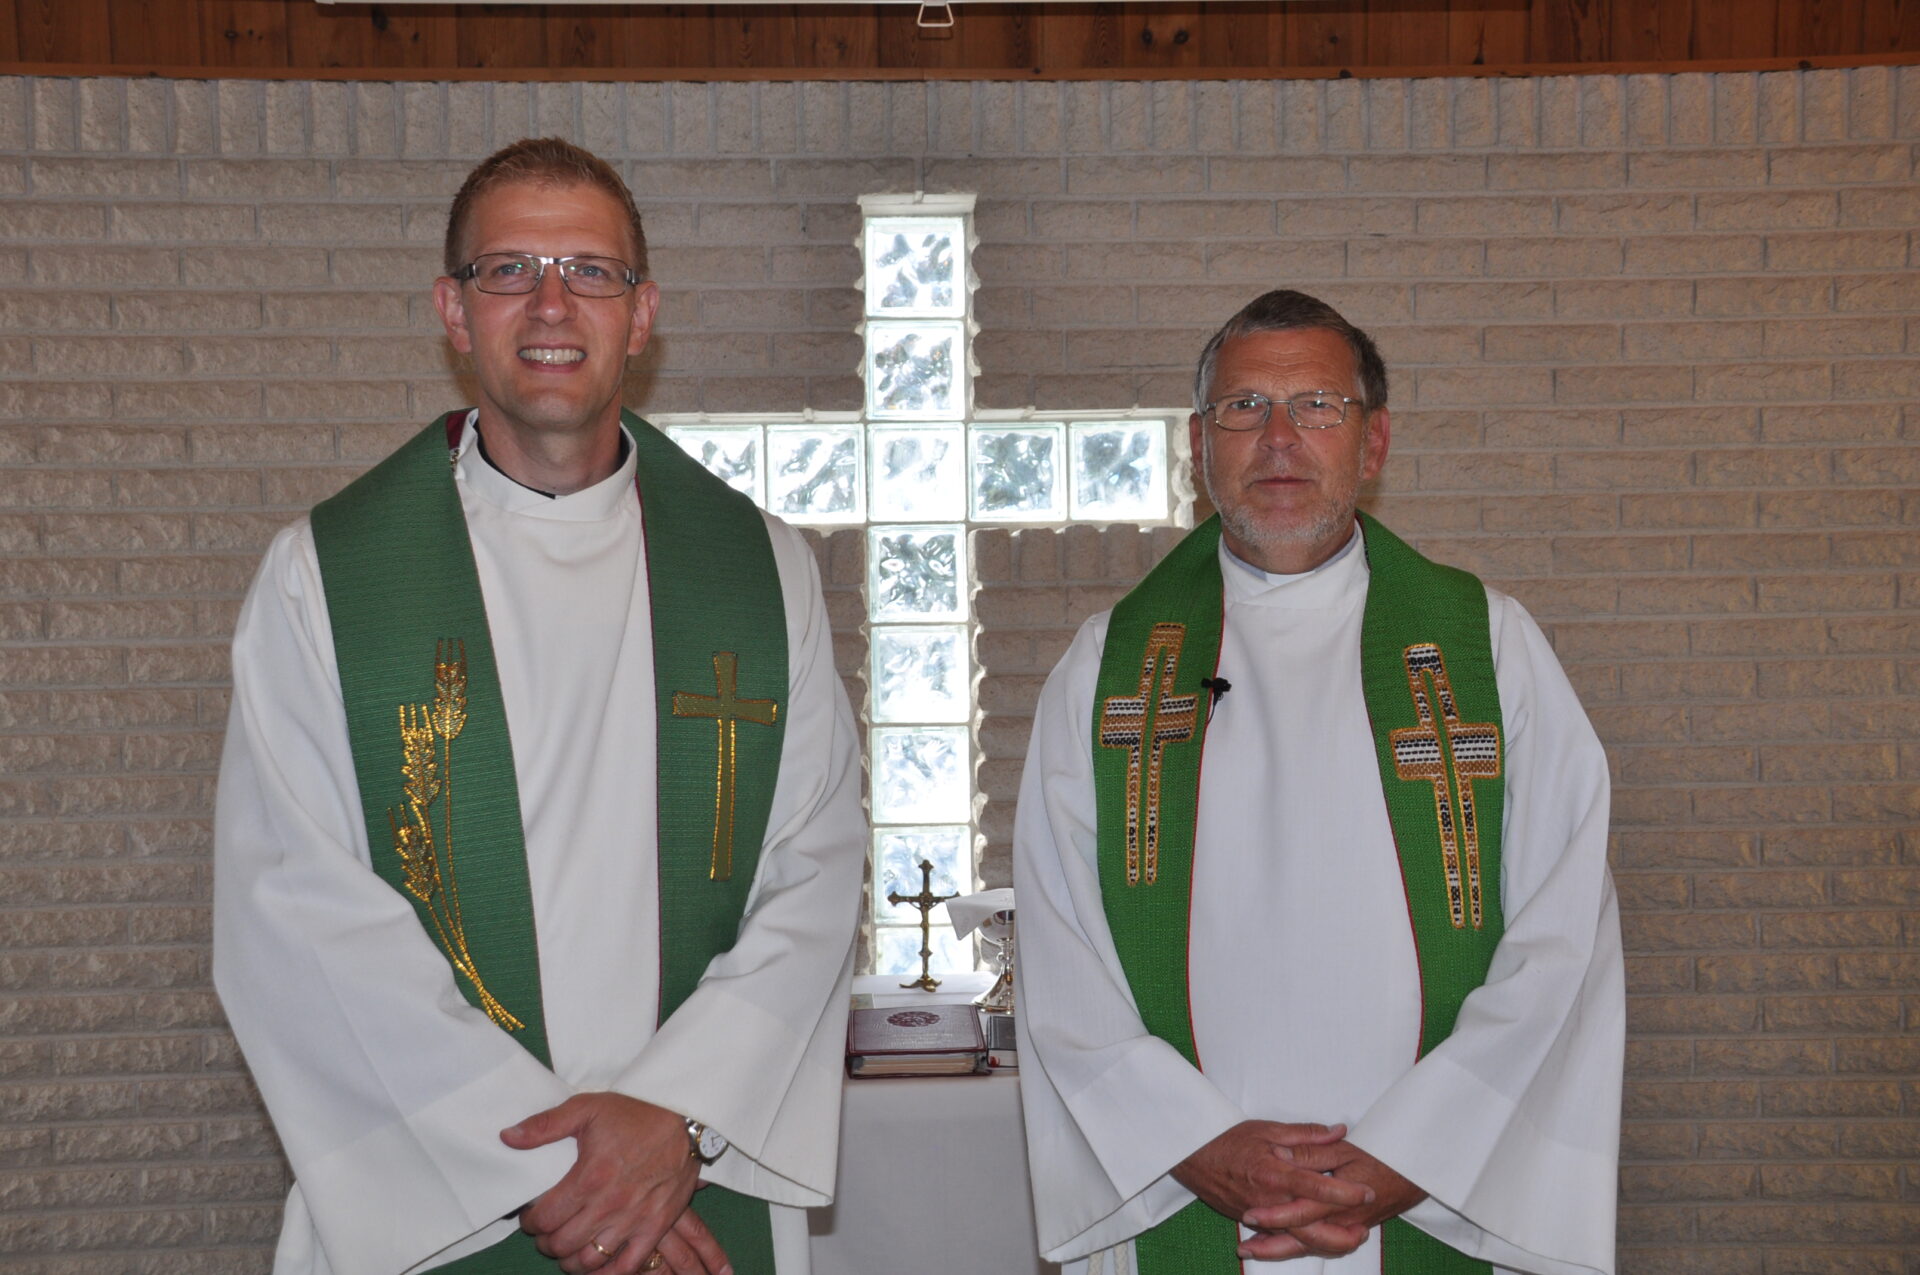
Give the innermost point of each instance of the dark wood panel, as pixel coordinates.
(249, 33)
(366, 35)
(1821, 27)
(1728, 29)
(574, 39)
(63, 30)
(1573, 30)
(503, 35)
(1408, 32)
(847, 37)
(1326, 34)
(1652, 30)
(155, 31)
(666, 37)
(1240, 33)
(1487, 33)
(1163, 38)
(1175, 38)
(1892, 26)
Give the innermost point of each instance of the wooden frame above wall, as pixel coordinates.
(1232, 39)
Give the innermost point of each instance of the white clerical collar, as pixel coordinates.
(1329, 584)
(590, 504)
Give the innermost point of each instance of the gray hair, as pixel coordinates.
(1284, 310)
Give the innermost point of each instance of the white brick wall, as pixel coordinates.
(1656, 353)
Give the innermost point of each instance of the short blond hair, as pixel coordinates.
(540, 161)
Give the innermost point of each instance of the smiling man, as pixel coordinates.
(1349, 994)
(539, 844)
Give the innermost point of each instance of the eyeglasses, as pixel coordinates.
(515, 273)
(1310, 409)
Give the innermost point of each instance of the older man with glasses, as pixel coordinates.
(539, 840)
(1349, 992)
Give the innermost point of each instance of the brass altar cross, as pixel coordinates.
(926, 901)
(1144, 725)
(727, 710)
(1449, 754)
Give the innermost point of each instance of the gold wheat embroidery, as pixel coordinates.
(427, 732)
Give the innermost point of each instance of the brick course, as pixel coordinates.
(1654, 349)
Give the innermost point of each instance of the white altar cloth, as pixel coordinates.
(933, 1169)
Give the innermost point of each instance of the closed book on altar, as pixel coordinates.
(915, 1040)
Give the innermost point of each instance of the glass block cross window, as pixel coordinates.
(919, 468)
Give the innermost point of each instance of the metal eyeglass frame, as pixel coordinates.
(1293, 412)
(471, 273)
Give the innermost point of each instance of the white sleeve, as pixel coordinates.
(388, 1091)
(1512, 1124)
(756, 1051)
(1109, 1108)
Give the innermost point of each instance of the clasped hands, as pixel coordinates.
(1302, 1188)
(623, 1207)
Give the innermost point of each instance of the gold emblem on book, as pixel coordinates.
(1144, 724)
(1449, 754)
(427, 732)
(727, 710)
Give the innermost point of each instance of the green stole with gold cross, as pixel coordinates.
(427, 723)
(1427, 676)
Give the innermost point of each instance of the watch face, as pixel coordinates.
(707, 1143)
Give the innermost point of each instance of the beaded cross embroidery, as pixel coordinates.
(1449, 754)
(1144, 724)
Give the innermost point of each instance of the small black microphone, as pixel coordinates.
(1217, 687)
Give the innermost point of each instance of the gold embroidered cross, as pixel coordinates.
(727, 709)
(1449, 754)
(1144, 725)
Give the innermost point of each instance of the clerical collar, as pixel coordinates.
(613, 496)
(480, 441)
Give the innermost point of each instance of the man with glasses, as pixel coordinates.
(1349, 991)
(539, 842)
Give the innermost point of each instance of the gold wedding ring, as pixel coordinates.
(654, 1263)
(596, 1243)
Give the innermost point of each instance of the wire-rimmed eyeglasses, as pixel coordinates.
(1310, 409)
(514, 273)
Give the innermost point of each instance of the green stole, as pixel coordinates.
(1427, 675)
(411, 636)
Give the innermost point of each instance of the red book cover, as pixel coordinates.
(915, 1040)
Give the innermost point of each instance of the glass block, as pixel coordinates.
(897, 855)
(916, 267)
(920, 673)
(897, 950)
(916, 371)
(921, 774)
(917, 472)
(916, 573)
(1016, 473)
(730, 452)
(1120, 470)
(813, 473)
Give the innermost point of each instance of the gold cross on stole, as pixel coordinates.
(1449, 754)
(727, 709)
(1144, 725)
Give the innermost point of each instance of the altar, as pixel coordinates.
(933, 1169)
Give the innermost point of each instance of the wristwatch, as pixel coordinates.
(704, 1144)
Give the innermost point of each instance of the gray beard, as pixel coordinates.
(1249, 530)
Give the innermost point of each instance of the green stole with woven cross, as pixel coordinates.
(1427, 675)
(428, 725)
